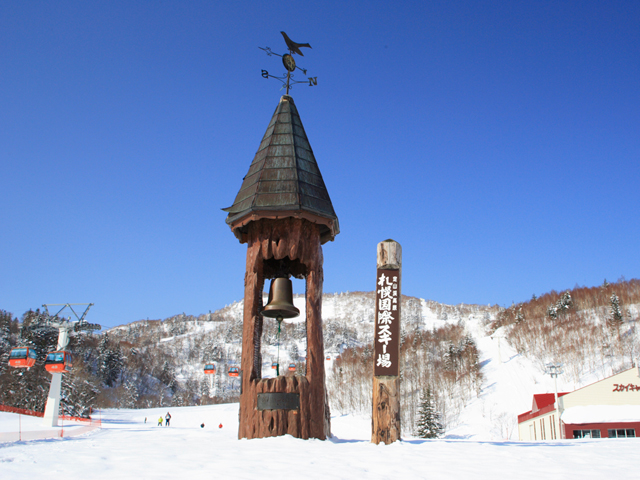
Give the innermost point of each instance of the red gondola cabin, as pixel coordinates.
(58, 362)
(234, 371)
(292, 367)
(22, 357)
(210, 369)
(274, 365)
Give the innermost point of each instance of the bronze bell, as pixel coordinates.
(280, 303)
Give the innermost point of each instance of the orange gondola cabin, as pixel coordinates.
(292, 367)
(22, 357)
(234, 371)
(274, 365)
(210, 369)
(58, 362)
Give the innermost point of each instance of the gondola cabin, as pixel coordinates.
(58, 362)
(292, 367)
(274, 365)
(328, 358)
(234, 371)
(22, 357)
(210, 369)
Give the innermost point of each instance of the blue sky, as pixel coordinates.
(497, 142)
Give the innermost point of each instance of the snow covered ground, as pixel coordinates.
(128, 448)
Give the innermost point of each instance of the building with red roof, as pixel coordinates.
(609, 408)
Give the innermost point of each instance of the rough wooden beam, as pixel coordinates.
(385, 417)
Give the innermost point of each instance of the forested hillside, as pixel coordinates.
(587, 329)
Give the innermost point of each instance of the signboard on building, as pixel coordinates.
(387, 323)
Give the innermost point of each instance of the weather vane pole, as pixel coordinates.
(290, 64)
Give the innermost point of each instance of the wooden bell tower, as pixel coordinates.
(284, 214)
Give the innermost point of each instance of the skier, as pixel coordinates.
(160, 421)
(167, 418)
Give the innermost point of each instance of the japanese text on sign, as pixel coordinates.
(387, 327)
(626, 388)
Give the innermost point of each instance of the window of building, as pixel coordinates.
(587, 433)
(622, 433)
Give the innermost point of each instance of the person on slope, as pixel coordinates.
(160, 421)
(167, 419)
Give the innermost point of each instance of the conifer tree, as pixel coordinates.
(616, 312)
(429, 424)
(110, 362)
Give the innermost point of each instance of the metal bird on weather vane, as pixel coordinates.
(290, 64)
(293, 46)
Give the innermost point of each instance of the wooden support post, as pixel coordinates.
(385, 418)
(298, 242)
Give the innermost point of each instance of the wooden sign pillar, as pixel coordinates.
(385, 418)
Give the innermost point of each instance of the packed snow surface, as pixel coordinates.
(128, 448)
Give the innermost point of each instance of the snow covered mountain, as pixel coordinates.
(479, 394)
(483, 363)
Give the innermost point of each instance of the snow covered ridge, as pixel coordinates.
(479, 396)
(484, 363)
(180, 346)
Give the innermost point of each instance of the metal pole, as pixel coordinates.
(555, 381)
(52, 407)
(279, 319)
(555, 369)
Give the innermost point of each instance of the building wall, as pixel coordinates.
(544, 427)
(605, 392)
(602, 427)
(620, 389)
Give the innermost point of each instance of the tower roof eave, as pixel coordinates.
(329, 227)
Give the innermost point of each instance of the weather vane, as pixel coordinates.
(290, 64)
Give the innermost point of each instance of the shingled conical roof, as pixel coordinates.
(284, 179)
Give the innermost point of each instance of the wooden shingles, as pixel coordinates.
(284, 179)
